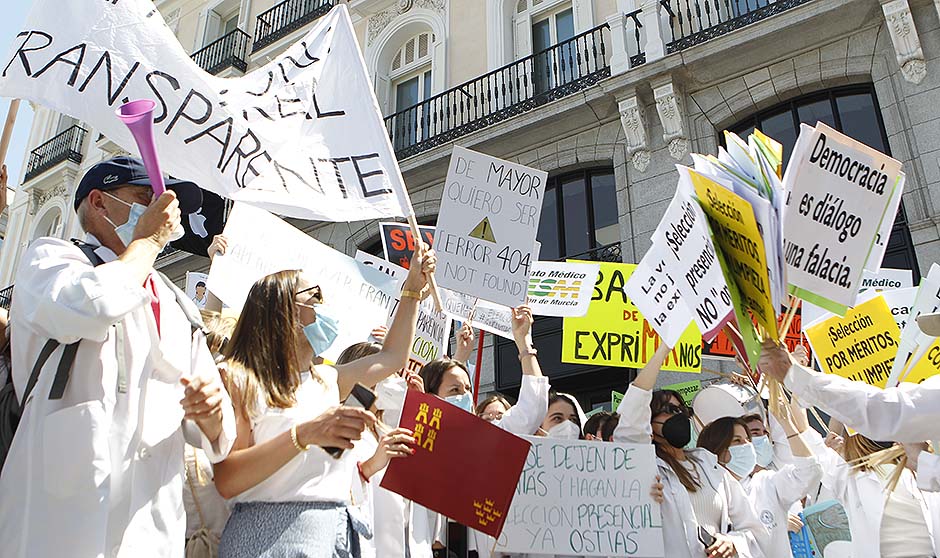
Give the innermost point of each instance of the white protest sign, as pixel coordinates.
(301, 136)
(196, 288)
(900, 301)
(692, 260)
(259, 244)
(887, 279)
(485, 239)
(432, 329)
(654, 291)
(884, 232)
(580, 498)
(561, 289)
(487, 316)
(926, 301)
(838, 192)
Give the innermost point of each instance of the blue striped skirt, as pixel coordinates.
(293, 530)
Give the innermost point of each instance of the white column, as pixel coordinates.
(655, 47)
(619, 57)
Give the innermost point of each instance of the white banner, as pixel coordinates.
(259, 244)
(654, 291)
(901, 302)
(886, 279)
(838, 192)
(884, 232)
(485, 239)
(432, 330)
(926, 301)
(561, 289)
(196, 288)
(301, 136)
(580, 498)
(487, 316)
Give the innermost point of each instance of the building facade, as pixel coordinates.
(607, 96)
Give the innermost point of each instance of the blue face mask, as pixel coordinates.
(126, 231)
(764, 450)
(322, 333)
(693, 441)
(463, 401)
(743, 460)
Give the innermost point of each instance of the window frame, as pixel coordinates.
(554, 185)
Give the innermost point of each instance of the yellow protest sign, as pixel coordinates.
(732, 222)
(927, 366)
(614, 333)
(859, 346)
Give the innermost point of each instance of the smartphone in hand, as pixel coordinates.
(705, 537)
(361, 397)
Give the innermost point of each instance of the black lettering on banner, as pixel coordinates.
(366, 193)
(113, 93)
(242, 154)
(228, 123)
(23, 49)
(181, 112)
(62, 58)
(174, 83)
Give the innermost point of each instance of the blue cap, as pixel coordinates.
(129, 171)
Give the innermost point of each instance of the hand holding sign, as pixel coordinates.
(424, 262)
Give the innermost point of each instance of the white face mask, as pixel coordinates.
(126, 231)
(743, 460)
(764, 450)
(565, 431)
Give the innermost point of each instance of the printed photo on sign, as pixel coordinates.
(301, 135)
(196, 288)
(582, 498)
(489, 217)
(398, 242)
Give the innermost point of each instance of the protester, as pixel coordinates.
(771, 492)
(493, 407)
(285, 405)
(697, 492)
(96, 466)
(907, 413)
(595, 424)
(904, 522)
(563, 419)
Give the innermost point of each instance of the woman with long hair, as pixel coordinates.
(771, 492)
(700, 498)
(289, 471)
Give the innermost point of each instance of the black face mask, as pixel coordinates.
(883, 445)
(677, 431)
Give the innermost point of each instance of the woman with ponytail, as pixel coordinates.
(701, 500)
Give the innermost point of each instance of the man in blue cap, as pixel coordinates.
(113, 374)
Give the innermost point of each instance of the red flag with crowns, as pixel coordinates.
(463, 467)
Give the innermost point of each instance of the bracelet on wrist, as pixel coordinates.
(293, 438)
(411, 294)
(530, 351)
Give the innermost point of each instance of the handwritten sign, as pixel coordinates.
(838, 193)
(859, 346)
(261, 244)
(578, 498)
(301, 135)
(615, 333)
(688, 390)
(398, 242)
(615, 398)
(561, 289)
(486, 228)
(493, 318)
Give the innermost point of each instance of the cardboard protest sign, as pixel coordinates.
(732, 222)
(260, 244)
(580, 498)
(723, 348)
(859, 346)
(398, 242)
(838, 193)
(655, 293)
(615, 333)
(441, 478)
(487, 316)
(196, 288)
(301, 136)
(432, 329)
(886, 279)
(487, 225)
(615, 398)
(561, 289)
(901, 302)
(926, 301)
(688, 390)
(927, 365)
(884, 231)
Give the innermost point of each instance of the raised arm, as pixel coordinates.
(524, 418)
(646, 378)
(394, 354)
(634, 426)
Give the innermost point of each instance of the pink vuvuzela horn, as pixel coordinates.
(138, 116)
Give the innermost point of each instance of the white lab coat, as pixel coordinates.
(773, 493)
(99, 472)
(907, 413)
(739, 521)
(862, 494)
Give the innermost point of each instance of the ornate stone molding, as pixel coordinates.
(379, 21)
(40, 197)
(633, 120)
(671, 114)
(904, 37)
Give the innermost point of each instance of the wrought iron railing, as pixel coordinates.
(287, 17)
(606, 253)
(693, 22)
(67, 146)
(521, 86)
(229, 50)
(635, 39)
(6, 296)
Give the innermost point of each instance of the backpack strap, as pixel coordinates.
(63, 371)
(89, 252)
(186, 304)
(44, 355)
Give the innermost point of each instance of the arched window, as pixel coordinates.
(855, 112)
(411, 82)
(48, 224)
